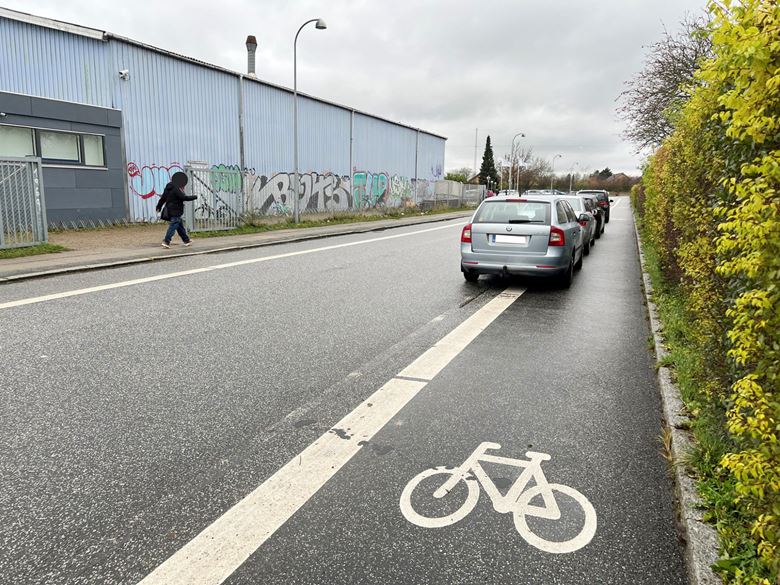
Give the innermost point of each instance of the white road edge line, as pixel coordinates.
(214, 554)
(122, 284)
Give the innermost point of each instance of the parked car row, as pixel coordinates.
(541, 233)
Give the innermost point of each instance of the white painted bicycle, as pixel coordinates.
(517, 499)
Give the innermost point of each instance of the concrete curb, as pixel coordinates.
(359, 229)
(701, 539)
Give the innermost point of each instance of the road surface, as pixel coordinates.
(261, 417)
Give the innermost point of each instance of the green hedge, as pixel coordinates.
(709, 203)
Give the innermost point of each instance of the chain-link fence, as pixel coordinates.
(453, 194)
(22, 206)
(220, 202)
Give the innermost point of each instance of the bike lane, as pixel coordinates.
(535, 380)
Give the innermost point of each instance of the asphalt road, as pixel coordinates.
(132, 418)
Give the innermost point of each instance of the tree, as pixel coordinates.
(461, 175)
(655, 95)
(488, 168)
(606, 173)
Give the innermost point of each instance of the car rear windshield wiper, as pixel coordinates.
(519, 221)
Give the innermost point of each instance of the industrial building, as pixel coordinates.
(98, 110)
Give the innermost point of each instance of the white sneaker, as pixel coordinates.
(188, 243)
(166, 245)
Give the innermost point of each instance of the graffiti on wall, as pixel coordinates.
(273, 194)
(149, 180)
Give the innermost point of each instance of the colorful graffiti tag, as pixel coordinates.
(149, 180)
(273, 194)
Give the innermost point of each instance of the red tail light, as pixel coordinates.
(604, 203)
(557, 237)
(465, 235)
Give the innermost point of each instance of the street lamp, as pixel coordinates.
(296, 186)
(571, 175)
(521, 135)
(552, 179)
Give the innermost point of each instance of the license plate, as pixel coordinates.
(504, 239)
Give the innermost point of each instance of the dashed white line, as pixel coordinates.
(214, 554)
(135, 281)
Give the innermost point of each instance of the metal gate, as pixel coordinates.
(22, 206)
(220, 201)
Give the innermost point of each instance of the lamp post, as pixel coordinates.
(552, 179)
(521, 135)
(571, 175)
(296, 186)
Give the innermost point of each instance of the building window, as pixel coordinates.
(54, 147)
(15, 141)
(59, 147)
(93, 150)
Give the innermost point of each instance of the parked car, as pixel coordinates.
(586, 215)
(529, 236)
(603, 200)
(597, 210)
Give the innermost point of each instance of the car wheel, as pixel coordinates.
(586, 248)
(599, 229)
(593, 241)
(567, 277)
(607, 219)
(578, 264)
(470, 276)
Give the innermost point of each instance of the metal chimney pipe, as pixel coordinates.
(251, 49)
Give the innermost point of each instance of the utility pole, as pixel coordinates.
(476, 145)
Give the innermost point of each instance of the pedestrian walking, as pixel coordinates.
(171, 208)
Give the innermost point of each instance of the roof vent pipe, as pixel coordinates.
(251, 49)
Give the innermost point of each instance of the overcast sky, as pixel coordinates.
(551, 69)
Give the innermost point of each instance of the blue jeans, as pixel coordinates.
(176, 226)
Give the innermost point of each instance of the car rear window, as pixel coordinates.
(514, 212)
(576, 204)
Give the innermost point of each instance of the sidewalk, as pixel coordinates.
(93, 249)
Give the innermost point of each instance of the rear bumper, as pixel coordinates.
(554, 263)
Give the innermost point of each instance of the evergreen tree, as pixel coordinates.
(488, 168)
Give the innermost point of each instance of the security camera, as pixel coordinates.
(124, 74)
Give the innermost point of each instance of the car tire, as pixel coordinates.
(567, 277)
(586, 248)
(598, 231)
(593, 241)
(607, 219)
(578, 264)
(470, 276)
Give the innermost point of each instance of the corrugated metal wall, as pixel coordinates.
(176, 111)
(49, 63)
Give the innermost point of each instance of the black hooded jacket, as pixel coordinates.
(174, 198)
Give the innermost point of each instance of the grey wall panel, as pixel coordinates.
(98, 178)
(55, 178)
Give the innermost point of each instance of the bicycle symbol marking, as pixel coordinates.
(517, 499)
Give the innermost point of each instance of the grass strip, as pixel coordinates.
(8, 253)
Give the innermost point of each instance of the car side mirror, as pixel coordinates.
(583, 217)
(611, 200)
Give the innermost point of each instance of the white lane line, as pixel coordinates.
(214, 554)
(135, 281)
(615, 204)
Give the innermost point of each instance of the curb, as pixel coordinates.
(283, 240)
(701, 539)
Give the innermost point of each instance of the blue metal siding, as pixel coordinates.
(383, 147)
(174, 112)
(53, 64)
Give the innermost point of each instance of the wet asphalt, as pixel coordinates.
(133, 418)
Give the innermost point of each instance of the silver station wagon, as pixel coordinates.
(535, 235)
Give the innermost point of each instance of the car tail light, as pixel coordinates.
(557, 237)
(465, 235)
(603, 203)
